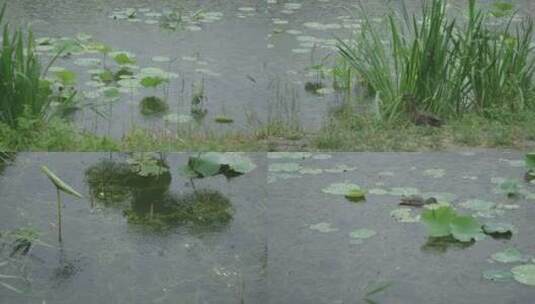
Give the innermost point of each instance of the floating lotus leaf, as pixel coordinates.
(123, 58)
(466, 229)
(213, 163)
(66, 77)
(378, 191)
(203, 167)
(438, 221)
(498, 275)
(509, 187)
(323, 227)
(341, 188)
(403, 215)
(87, 62)
(362, 234)
(509, 255)
(498, 229)
(406, 191)
(313, 171)
(355, 195)
(223, 120)
(152, 81)
(284, 167)
(525, 274)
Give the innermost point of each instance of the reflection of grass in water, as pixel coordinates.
(153, 105)
(201, 209)
(6, 158)
(107, 182)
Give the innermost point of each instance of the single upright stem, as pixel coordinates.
(59, 214)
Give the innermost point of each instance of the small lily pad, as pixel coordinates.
(323, 227)
(524, 274)
(312, 171)
(289, 155)
(499, 229)
(355, 195)
(498, 275)
(403, 215)
(284, 167)
(223, 120)
(378, 191)
(509, 187)
(341, 188)
(362, 234)
(406, 191)
(87, 62)
(509, 255)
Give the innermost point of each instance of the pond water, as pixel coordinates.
(106, 259)
(285, 239)
(253, 56)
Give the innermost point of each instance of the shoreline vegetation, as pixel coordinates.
(428, 82)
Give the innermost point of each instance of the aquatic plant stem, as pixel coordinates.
(59, 214)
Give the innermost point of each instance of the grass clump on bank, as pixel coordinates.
(22, 91)
(347, 130)
(444, 66)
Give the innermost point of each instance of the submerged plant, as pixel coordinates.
(201, 209)
(61, 186)
(147, 164)
(153, 105)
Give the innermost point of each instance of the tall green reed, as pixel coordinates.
(445, 66)
(22, 92)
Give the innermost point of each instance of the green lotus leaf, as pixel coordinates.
(438, 221)
(509, 255)
(524, 274)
